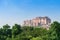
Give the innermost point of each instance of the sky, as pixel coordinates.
(16, 11)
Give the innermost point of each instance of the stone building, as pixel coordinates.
(38, 21)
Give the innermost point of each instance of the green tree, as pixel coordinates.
(16, 29)
(5, 32)
(55, 31)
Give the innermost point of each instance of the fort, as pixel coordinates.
(38, 21)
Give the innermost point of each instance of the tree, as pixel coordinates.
(16, 29)
(6, 26)
(6, 32)
(55, 31)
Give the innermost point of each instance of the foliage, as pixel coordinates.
(18, 32)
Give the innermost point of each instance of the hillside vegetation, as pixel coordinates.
(30, 33)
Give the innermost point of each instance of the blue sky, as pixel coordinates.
(16, 11)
